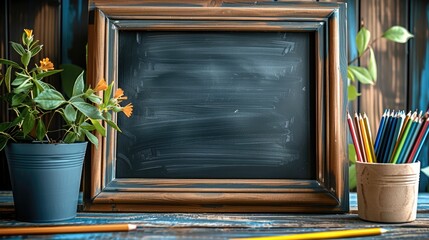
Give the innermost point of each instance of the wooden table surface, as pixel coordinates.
(225, 226)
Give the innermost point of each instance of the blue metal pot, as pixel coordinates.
(45, 180)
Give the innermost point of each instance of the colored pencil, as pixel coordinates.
(359, 137)
(390, 133)
(384, 138)
(419, 142)
(323, 235)
(399, 138)
(380, 132)
(66, 229)
(365, 139)
(354, 138)
(401, 132)
(369, 136)
(407, 152)
(407, 118)
(401, 142)
(397, 130)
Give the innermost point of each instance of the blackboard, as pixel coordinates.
(216, 105)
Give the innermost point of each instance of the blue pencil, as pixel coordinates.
(384, 137)
(401, 158)
(413, 139)
(398, 127)
(390, 134)
(380, 131)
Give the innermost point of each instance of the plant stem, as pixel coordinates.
(366, 50)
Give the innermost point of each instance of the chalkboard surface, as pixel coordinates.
(216, 105)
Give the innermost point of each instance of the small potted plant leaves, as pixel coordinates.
(45, 159)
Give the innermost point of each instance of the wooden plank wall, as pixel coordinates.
(44, 17)
(403, 69)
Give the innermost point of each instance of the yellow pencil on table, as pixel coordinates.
(324, 235)
(67, 229)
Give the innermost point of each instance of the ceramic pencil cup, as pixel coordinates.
(387, 192)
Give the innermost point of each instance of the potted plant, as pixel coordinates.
(45, 170)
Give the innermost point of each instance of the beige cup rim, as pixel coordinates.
(389, 164)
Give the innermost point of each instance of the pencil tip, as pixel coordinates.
(383, 230)
(132, 227)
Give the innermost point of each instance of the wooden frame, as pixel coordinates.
(327, 193)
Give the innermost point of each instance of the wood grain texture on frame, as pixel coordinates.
(328, 192)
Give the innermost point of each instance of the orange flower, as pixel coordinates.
(128, 110)
(119, 95)
(101, 85)
(28, 32)
(46, 65)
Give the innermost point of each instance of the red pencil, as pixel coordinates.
(416, 148)
(354, 138)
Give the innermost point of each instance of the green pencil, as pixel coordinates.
(398, 150)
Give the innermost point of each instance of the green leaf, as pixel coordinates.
(352, 153)
(18, 48)
(71, 137)
(113, 125)
(7, 78)
(100, 129)
(69, 76)
(20, 78)
(352, 176)
(24, 38)
(87, 126)
(107, 93)
(40, 130)
(17, 99)
(34, 43)
(50, 99)
(23, 88)
(28, 124)
(78, 85)
(93, 139)
(4, 126)
(70, 113)
(95, 99)
(397, 34)
(107, 116)
(372, 65)
(350, 75)
(44, 85)
(362, 74)
(10, 63)
(76, 99)
(40, 85)
(25, 58)
(352, 93)
(36, 50)
(362, 40)
(47, 74)
(87, 109)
